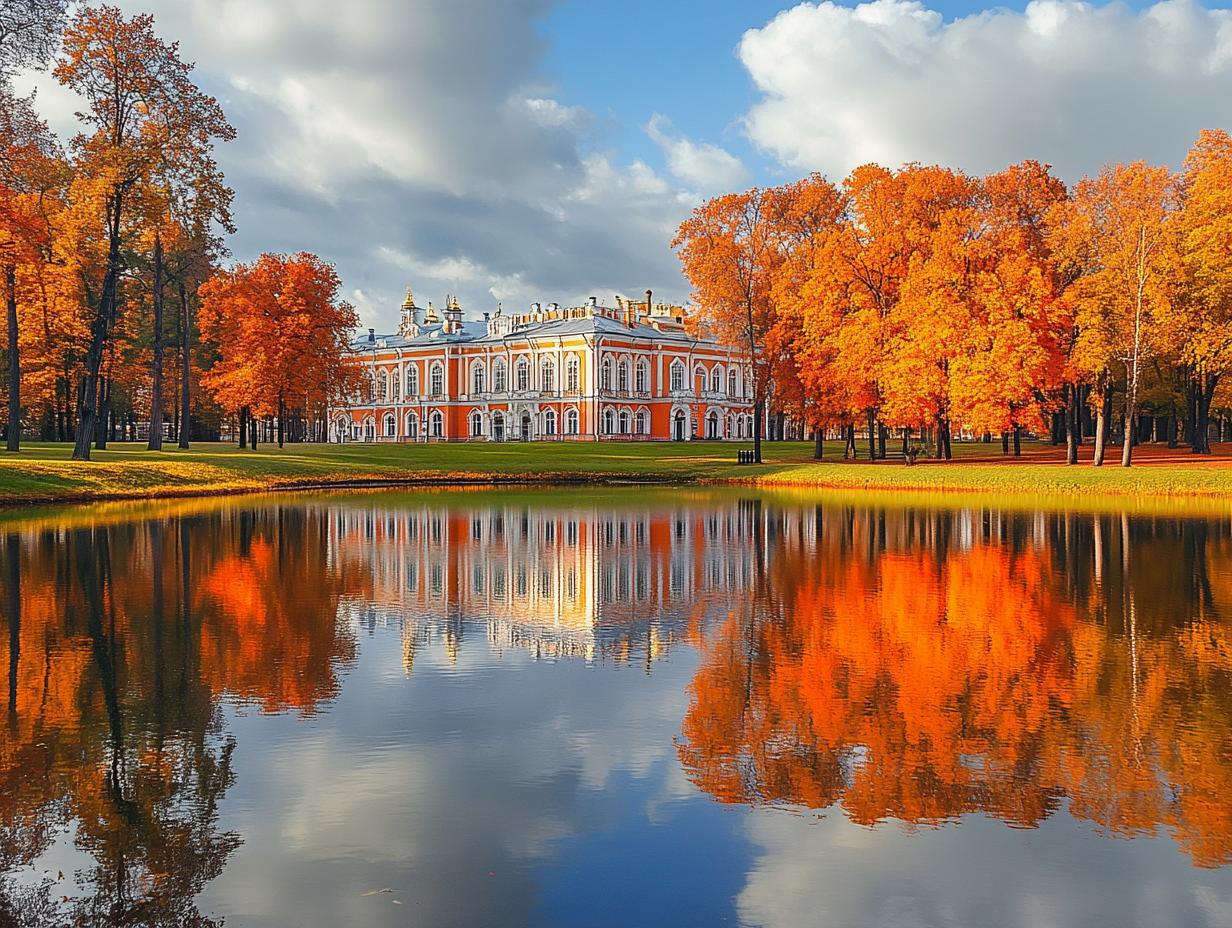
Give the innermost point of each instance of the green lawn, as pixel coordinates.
(42, 472)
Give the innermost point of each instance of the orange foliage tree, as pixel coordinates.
(281, 335)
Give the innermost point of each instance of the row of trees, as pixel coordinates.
(924, 298)
(111, 250)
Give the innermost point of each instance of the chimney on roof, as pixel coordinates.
(648, 303)
(593, 301)
(372, 336)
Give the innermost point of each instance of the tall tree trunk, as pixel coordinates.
(1071, 423)
(872, 435)
(849, 448)
(1200, 443)
(819, 443)
(1017, 441)
(1005, 443)
(1102, 418)
(102, 413)
(282, 418)
(759, 418)
(100, 328)
(243, 427)
(156, 363)
(13, 442)
(185, 367)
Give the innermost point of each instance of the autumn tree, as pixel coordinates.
(281, 334)
(139, 96)
(1117, 229)
(730, 254)
(1205, 308)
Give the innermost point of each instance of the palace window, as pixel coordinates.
(523, 380)
(478, 384)
(624, 422)
(641, 377)
(395, 385)
(640, 421)
(549, 422)
(476, 424)
(498, 376)
(622, 377)
(731, 382)
(382, 382)
(438, 424)
(390, 425)
(609, 422)
(716, 380)
(571, 422)
(677, 375)
(548, 374)
(571, 375)
(437, 381)
(412, 425)
(607, 374)
(412, 380)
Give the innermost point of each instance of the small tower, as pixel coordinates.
(430, 316)
(453, 314)
(409, 326)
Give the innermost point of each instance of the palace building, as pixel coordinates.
(589, 372)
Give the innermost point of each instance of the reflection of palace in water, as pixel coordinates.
(576, 582)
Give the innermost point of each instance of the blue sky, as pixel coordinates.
(517, 150)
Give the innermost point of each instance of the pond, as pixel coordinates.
(614, 708)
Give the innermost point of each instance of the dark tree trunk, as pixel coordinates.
(819, 444)
(13, 439)
(1071, 423)
(1205, 392)
(872, 436)
(100, 328)
(1018, 441)
(1103, 417)
(282, 418)
(185, 367)
(1005, 442)
(243, 427)
(102, 413)
(849, 448)
(759, 418)
(156, 363)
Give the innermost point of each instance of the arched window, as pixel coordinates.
(498, 376)
(624, 422)
(548, 376)
(571, 374)
(437, 381)
(716, 379)
(382, 386)
(622, 377)
(731, 382)
(571, 421)
(523, 376)
(677, 375)
(609, 422)
(412, 380)
(438, 423)
(699, 378)
(607, 374)
(526, 432)
(369, 430)
(642, 377)
(680, 426)
(640, 424)
(549, 422)
(476, 424)
(478, 378)
(712, 424)
(395, 385)
(369, 390)
(412, 425)
(498, 427)
(389, 425)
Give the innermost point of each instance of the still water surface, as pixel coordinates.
(614, 709)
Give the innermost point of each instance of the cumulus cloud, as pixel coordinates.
(423, 131)
(705, 167)
(1068, 83)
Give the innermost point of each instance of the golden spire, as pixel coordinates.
(409, 302)
(430, 315)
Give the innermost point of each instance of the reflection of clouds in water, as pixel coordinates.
(828, 872)
(451, 787)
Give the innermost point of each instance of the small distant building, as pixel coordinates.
(554, 373)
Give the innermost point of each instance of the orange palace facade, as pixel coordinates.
(590, 372)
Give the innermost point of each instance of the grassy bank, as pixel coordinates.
(43, 472)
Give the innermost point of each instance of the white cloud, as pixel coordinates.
(706, 167)
(1068, 83)
(426, 130)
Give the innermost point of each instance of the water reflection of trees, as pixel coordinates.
(120, 642)
(922, 665)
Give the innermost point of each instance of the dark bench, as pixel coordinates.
(745, 457)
